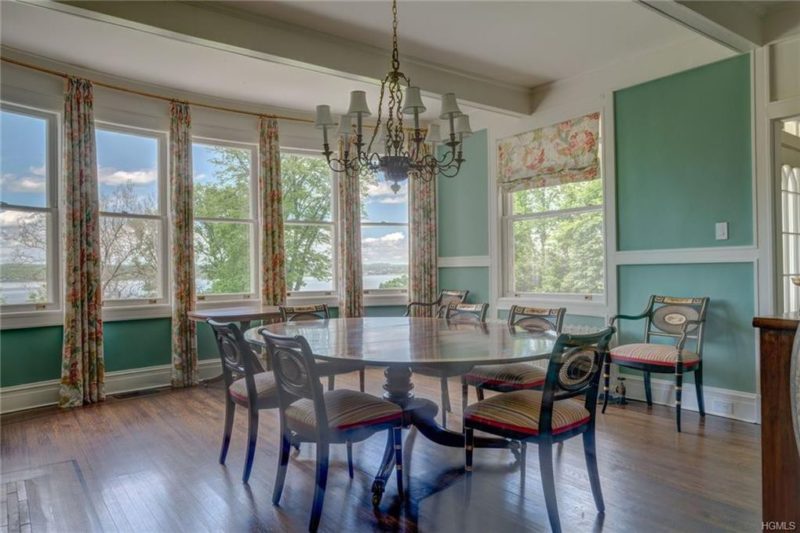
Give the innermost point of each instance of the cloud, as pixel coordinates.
(111, 176)
(38, 171)
(16, 183)
(382, 193)
(388, 238)
(10, 219)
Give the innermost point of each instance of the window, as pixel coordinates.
(309, 231)
(224, 220)
(789, 264)
(554, 241)
(133, 240)
(384, 236)
(28, 209)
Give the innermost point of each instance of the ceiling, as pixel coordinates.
(523, 43)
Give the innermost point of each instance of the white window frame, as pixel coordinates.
(507, 219)
(377, 297)
(34, 314)
(162, 216)
(327, 296)
(211, 300)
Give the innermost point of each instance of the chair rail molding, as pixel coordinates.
(464, 261)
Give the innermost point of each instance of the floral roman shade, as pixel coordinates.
(351, 293)
(184, 340)
(273, 280)
(82, 364)
(562, 153)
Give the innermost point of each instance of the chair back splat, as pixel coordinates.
(536, 318)
(304, 312)
(667, 315)
(236, 355)
(465, 313)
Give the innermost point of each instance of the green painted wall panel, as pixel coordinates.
(475, 279)
(28, 355)
(463, 203)
(137, 343)
(683, 158)
(729, 353)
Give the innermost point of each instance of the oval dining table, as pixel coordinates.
(401, 344)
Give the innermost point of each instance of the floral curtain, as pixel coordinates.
(184, 340)
(273, 282)
(351, 296)
(558, 154)
(82, 366)
(424, 271)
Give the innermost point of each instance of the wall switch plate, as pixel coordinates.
(721, 231)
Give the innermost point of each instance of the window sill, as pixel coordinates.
(31, 319)
(574, 305)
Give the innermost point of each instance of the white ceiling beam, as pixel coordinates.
(729, 23)
(268, 39)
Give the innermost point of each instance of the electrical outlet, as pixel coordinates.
(721, 231)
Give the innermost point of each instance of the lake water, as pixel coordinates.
(18, 292)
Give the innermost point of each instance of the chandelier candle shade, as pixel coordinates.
(397, 152)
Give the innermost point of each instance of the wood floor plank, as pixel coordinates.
(149, 463)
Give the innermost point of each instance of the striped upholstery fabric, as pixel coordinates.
(652, 354)
(518, 411)
(266, 389)
(347, 409)
(513, 376)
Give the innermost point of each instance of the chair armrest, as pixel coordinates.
(421, 304)
(627, 317)
(685, 335)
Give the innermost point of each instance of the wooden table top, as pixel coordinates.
(235, 314)
(787, 321)
(387, 341)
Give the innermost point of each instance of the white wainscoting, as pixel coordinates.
(727, 403)
(464, 261)
(43, 393)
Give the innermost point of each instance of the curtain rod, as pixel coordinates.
(151, 95)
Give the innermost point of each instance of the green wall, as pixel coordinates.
(683, 158)
(729, 350)
(463, 203)
(475, 279)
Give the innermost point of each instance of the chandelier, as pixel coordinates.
(398, 153)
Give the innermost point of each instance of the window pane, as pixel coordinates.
(381, 204)
(23, 159)
(306, 187)
(557, 197)
(222, 257)
(221, 181)
(385, 254)
(559, 254)
(130, 255)
(309, 258)
(23, 257)
(127, 172)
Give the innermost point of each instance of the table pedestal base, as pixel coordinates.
(420, 413)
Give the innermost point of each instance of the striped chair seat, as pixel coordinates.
(652, 354)
(266, 390)
(519, 411)
(513, 376)
(347, 409)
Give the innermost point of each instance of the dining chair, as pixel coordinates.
(454, 313)
(446, 297)
(515, 376)
(326, 369)
(307, 414)
(246, 385)
(668, 317)
(564, 408)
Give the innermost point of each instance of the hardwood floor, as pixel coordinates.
(149, 463)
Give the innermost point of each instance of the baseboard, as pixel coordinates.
(43, 393)
(719, 402)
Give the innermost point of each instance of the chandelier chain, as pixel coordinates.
(395, 53)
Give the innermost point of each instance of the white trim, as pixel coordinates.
(726, 403)
(726, 254)
(43, 393)
(458, 261)
(31, 319)
(596, 309)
